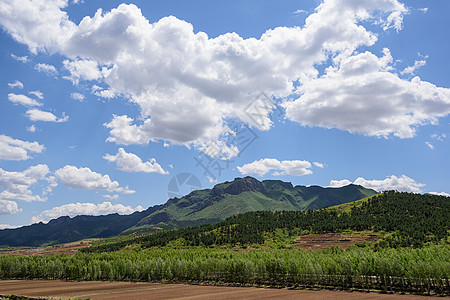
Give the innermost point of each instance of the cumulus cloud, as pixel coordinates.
(37, 94)
(7, 226)
(77, 96)
(23, 59)
(300, 11)
(45, 116)
(401, 184)
(187, 84)
(82, 69)
(361, 94)
(412, 69)
(16, 84)
(440, 194)
(130, 162)
(46, 68)
(8, 208)
(75, 209)
(111, 197)
(32, 128)
(16, 186)
(23, 100)
(318, 164)
(85, 179)
(439, 136)
(14, 149)
(285, 167)
(431, 146)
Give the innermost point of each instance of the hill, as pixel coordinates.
(249, 194)
(410, 220)
(199, 207)
(66, 229)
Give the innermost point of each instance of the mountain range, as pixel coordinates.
(198, 207)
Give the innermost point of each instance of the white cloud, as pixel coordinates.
(32, 128)
(111, 197)
(77, 96)
(23, 59)
(130, 162)
(23, 100)
(16, 84)
(424, 10)
(108, 94)
(360, 88)
(412, 69)
(440, 194)
(186, 84)
(7, 226)
(14, 149)
(46, 68)
(318, 164)
(431, 146)
(300, 11)
(45, 116)
(82, 69)
(401, 184)
(285, 167)
(8, 208)
(37, 94)
(439, 136)
(85, 179)
(75, 209)
(339, 183)
(212, 180)
(16, 186)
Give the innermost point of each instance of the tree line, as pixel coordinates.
(423, 270)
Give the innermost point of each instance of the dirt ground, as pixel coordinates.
(69, 248)
(320, 241)
(55, 289)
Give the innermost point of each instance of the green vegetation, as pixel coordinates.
(246, 195)
(412, 220)
(199, 207)
(255, 248)
(424, 270)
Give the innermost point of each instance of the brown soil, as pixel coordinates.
(324, 240)
(125, 290)
(69, 248)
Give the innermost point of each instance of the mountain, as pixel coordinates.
(66, 229)
(249, 194)
(199, 207)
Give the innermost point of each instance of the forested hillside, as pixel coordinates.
(412, 220)
(249, 194)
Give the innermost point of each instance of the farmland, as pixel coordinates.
(156, 291)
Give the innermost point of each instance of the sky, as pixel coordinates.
(111, 107)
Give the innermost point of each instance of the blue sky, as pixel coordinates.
(104, 103)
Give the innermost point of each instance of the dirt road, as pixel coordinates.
(126, 290)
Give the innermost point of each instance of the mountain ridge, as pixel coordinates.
(198, 207)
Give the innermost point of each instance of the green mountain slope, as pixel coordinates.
(248, 194)
(199, 207)
(66, 229)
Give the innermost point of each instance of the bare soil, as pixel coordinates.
(69, 248)
(56, 289)
(324, 240)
